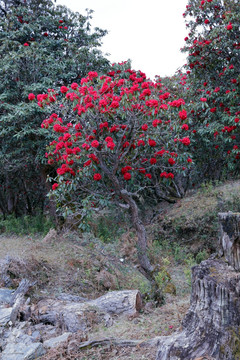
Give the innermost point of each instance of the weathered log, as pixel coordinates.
(74, 316)
(230, 237)
(22, 289)
(212, 324)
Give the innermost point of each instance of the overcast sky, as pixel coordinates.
(149, 32)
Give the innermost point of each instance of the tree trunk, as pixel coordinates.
(52, 204)
(211, 327)
(141, 235)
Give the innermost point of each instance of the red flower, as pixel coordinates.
(156, 122)
(152, 142)
(171, 161)
(144, 127)
(185, 141)
(114, 105)
(74, 86)
(94, 143)
(182, 114)
(97, 177)
(206, 21)
(127, 176)
(45, 34)
(54, 186)
(31, 96)
(229, 26)
(189, 160)
(213, 110)
(149, 176)
(203, 99)
(109, 139)
(140, 142)
(92, 74)
(60, 21)
(87, 163)
(185, 127)
(111, 145)
(25, 44)
(153, 161)
(126, 169)
(64, 89)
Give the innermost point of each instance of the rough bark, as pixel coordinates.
(74, 316)
(141, 234)
(230, 238)
(211, 327)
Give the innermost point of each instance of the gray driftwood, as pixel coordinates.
(74, 316)
(211, 327)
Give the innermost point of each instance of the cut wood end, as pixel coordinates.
(139, 303)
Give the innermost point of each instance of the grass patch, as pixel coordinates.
(26, 225)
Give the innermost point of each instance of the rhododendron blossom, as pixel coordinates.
(182, 114)
(31, 96)
(97, 177)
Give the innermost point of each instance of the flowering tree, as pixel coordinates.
(40, 45)
(113, 137)
(213, 80)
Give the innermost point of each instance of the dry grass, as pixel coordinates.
(148, 324)
(71, 264)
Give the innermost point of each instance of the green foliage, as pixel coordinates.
(41, 45)
(213, 84)
(107, 229)
(189, 263)
(26, 225)
(163, 277)
(201, 256)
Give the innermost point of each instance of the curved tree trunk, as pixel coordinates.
(141, 235)
(211, 327)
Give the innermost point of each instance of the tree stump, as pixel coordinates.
(211, 327)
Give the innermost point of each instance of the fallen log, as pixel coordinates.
(74, 316)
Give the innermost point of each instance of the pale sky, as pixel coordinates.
(149, 32)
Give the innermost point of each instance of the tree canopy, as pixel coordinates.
(41, 45)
